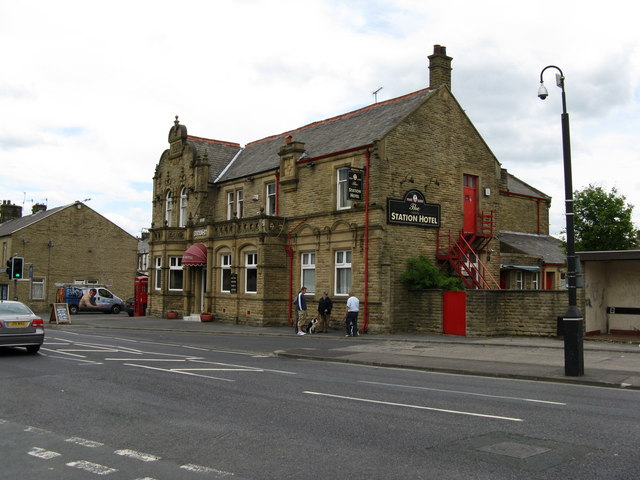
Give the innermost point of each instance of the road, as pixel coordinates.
(164, 405)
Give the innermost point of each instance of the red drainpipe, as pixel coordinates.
(366, 243)
(289, 251)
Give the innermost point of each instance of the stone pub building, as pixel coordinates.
(337, 205)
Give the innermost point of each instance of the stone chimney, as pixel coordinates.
(439, 68)
(38, 207)
(8, 211)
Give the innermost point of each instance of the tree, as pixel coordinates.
(603, 220)
(422, 274)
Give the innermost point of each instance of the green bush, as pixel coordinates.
(422, 274)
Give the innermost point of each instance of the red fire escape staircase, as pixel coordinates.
(462, 254)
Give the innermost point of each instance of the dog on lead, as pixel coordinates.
(313, 325)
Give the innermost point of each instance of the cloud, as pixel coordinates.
(90, 89)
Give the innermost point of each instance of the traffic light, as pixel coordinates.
(17, 267)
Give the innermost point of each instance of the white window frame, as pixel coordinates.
(250, 266)
(342, 189)
(270, 196)
(518, 281)
(240, 203)
(535, 280)
(182, 218)
(308, 271)
(230, 204)
(175, 272)
(343, 259)
(225, 269)
(157, 267)
(37, 289)
(168, 209)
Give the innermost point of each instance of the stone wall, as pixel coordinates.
(489, 312)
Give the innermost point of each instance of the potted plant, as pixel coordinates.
(172, 314)
(206, 317)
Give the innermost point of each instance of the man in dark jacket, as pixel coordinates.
(324, 313)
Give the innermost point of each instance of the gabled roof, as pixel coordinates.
(515, 185)
(544, 246)
(11, 226)
(351, 130)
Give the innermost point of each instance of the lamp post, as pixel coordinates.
(572, 325)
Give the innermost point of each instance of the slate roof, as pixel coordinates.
(515, 185)
(355, 129)
(11, 226)
(218, 152)
(548, 248)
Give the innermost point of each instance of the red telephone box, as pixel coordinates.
(140, 286)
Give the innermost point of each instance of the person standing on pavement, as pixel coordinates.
(324, 312)
(301, 311)
(353, 307)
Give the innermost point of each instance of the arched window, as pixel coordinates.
(183, 207)
(168, 209)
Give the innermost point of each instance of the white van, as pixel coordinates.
(92, 298)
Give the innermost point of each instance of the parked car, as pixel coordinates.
(20, 327)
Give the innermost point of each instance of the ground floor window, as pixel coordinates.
(519, 283)
(343, 272)
(308, 274)
(225, 267)
(535, 280)
(158, 273)
(251, 273)
(37, 289)
(175, 273)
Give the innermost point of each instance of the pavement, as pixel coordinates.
(608, 361)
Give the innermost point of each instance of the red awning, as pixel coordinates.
(195, 256)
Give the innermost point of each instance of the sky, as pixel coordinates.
(90, 88)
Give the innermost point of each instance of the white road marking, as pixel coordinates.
(39, 431)
(144, 457)
(200, 469)
(92, 467)
(145, 359)
(65, 352)
(71, 359)
(42, 453)
(178, 371)
(463, 393)
(418, 407)
(84, 442)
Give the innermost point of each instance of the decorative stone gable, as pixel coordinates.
(177, 139)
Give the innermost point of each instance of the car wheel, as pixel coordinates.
(115, 309)
(33, 348)
(73, 309)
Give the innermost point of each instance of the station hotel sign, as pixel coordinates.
(413, 210)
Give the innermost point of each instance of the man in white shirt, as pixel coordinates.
(353, 307)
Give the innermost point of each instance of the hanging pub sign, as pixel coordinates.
(413, 210)
(354, 184)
